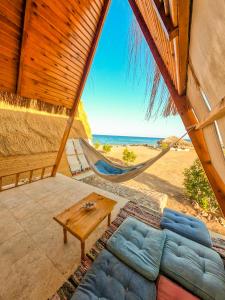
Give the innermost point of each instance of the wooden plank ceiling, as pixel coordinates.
(45, 45)
(11, 23)
(170, 35)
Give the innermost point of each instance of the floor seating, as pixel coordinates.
(187, 226)
(196, 267)
(169, 290)
(139, 246)
(137, 255)
(109, 278)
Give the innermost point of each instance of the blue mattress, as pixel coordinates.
(105, 168)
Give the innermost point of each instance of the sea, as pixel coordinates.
(125, 140)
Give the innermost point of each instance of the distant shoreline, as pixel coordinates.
(126, 140)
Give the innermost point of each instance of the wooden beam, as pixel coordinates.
(82, 83)
(216, 113)
(181, 44)
(166, 7)
(170, 31)
(31, 176)
(26, 22)
(42, 173)
(187, 115)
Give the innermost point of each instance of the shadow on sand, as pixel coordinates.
(160, 185)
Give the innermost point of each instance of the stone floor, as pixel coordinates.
(34, 261)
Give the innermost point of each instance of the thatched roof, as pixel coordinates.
(172, 139)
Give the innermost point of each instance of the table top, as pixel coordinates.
(81, 222)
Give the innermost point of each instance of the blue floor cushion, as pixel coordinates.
(196, 267)
(105, 168)
(187, 226)
(139, 246)
(110, 279)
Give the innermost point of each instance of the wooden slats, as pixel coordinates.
(44, 47)
(162, 11)
(11, 15)
(168, 23)
(154, 26)
(29, 179)
(56, 43)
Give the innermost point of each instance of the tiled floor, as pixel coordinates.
(34, 261)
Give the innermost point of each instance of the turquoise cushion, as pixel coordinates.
(110, 279)
(139, 246)
(187, 226)
(105, 168)
(196, 267)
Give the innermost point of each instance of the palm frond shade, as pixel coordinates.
(141, 61)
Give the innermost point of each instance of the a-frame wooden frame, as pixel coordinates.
(82, 84)
(187, 115)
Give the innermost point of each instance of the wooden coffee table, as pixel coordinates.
(80, 222)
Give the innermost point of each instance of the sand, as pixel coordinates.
(165, 176)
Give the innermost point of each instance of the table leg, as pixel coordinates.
(109, 219)
(65, 235)
(82, 249)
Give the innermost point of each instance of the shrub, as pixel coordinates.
(164, 146)
(96, 145)
(107, 148)
(198, 188)
(129, 156)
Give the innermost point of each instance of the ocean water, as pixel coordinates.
(124, 140)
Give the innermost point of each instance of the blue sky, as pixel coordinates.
(114, 102)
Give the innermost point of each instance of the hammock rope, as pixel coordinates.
(114, 172)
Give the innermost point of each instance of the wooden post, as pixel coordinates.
(64, 235)
(31, 175)
(82, 249)
(42, 173)
(187, 115)
(109, 219)
(82, 83)
(26, 21)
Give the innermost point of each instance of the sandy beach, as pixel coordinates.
(165, 176)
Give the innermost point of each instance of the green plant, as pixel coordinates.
(96, 145)
(107, 148)
(129, 156)
(164, 146)
(197, 187)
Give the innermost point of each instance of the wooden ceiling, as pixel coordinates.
(45, 46)
(11, 24)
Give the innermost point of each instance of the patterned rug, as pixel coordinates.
(142, 212)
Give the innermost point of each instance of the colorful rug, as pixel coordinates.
(142, 212)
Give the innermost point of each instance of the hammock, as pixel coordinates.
(113, 172)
